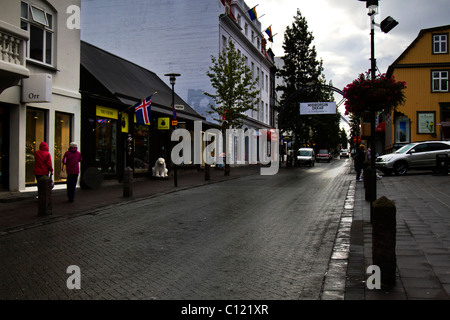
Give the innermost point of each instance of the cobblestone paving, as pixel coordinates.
(257, 237)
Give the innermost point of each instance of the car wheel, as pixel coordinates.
(400, 168)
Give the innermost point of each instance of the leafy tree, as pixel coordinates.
(236, 90)
(235, 87)
(302, 68)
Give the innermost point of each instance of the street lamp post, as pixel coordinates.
(386, 25)
(172, 78)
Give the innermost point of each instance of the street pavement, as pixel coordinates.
(423, 228)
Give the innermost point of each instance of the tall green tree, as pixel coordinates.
(236, 90)
(235, 86)
(302, 68)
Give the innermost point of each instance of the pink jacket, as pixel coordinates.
(71, 159)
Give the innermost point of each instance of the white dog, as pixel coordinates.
(160, 170)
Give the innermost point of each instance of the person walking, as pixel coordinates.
(359, 160)
(71, 160)
(42, 161)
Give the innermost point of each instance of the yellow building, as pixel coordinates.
(425, 66)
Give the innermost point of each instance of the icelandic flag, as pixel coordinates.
(143, 110)
(269, 33)
(252, 13)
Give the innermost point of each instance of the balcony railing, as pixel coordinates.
(12, 55)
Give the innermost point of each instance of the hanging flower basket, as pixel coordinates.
(367, 95)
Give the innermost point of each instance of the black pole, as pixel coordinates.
(175, 177)
(373, 182)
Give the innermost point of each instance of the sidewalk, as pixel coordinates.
(19, 211)
(422, 241)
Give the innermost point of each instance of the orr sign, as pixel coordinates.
(309, 108)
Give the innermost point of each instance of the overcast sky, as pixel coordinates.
(341, 30)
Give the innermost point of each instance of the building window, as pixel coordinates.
(63, 136)
(439, 81)
(262, 80)
(224, 43)
(36, 132)
(402, 126)
(440, 43)
(253, 36)
(39, 23)
(257, 76)
(246, 29)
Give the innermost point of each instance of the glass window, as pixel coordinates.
(440, 43)
(440, 81)
(141, 148)
(36, 43)
(24, 10)
(106, 145)
(35, 134)
(421, 148)
(63, 135)
(40, 24)
(39, 16)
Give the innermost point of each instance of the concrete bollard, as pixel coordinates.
(128, 182)
(367, 178)
(44, 196)
(384, 230)
(207, 172)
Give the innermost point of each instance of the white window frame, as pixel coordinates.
(442, 41)
(32, 19)
(438, 79)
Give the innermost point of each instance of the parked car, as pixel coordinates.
(418, 155)
(306, 156)
(344, 153)
(323, 154)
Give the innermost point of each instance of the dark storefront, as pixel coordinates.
(111, 138)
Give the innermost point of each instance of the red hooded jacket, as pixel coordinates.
(42, 161)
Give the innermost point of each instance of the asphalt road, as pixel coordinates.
(257, 237)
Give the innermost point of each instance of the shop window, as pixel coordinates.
(141, 148)
(106, 145)
(63, 136)
(35, 134)
(402, 130)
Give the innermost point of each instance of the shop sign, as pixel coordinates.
(317, 108)
(163, 123)
(104, 112)
(37, 88)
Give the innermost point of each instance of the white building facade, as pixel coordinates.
(181, 36)
(39, 85)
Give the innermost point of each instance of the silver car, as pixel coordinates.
(418, 155)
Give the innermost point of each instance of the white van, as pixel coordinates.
(306, 156)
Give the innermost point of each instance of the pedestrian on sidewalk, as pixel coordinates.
(42, 161)
(71, 161)
(359, 160)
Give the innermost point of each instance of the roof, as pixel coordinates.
(130, 83)
(419, 36)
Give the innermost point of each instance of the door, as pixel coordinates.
(419, 156)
